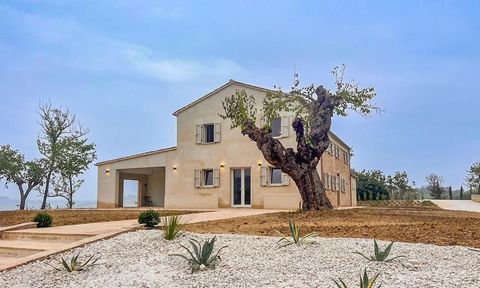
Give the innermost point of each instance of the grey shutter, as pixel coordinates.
(285, 126)
(216, 178)
(217, 136)
(196, 175)
(263, 176)
(198, 134)
(285, 179)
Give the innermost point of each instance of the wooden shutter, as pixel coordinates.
(263, 176)
(198, 134)
(285, 126)
(217, 136)
(216, 178)
(285, 179)
(196, 176)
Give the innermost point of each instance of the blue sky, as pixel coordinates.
(124, 66)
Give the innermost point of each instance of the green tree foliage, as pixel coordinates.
(461, 192)
(434, 186)
(77, 154)
(399, 187)
(57, 126)
(313, 109)
(473, 178)
(371, 185)
(16, 170)
(450, 193)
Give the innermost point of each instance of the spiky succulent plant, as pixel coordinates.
(380, 255)
(201, 256)
(365, 282)
(295, 235)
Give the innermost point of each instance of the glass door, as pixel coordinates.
(241, 187)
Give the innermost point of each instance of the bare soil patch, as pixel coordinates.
(414, 225)
(80, 216)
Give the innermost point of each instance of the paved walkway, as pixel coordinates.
(19, 247)
(458, 205)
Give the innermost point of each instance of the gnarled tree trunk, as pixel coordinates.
(301, 165)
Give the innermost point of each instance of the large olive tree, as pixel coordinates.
(313, 109)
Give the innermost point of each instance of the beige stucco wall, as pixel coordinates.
(233, 151)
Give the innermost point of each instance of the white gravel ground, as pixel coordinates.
(141, 259)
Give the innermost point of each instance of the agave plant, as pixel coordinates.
(172, 227)
(201, 256)
(74, 264)
(380, 256)
(365, 282)
(295, 236)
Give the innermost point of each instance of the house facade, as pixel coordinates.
(214, 166)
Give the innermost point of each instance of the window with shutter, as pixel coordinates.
(217, 136)
(263, 176)
(285, 179)
(275, 176)
(198, 135)
(196, 176)
(209, 133)
(216, 178)
(276, 127)
(207, 177)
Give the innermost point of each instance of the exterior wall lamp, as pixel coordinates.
(107, 172)
(222, 165)
(174, 168)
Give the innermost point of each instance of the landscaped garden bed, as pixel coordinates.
(144, 259)
(418, 224)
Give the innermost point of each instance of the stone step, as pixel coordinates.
(17, 252)
(29, 245)
(39, 237)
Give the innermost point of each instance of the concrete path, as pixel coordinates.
(458, 205)
(22, 246)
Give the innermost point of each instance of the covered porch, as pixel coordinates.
(141, 187)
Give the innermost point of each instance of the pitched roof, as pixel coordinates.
(136, 155)
(229, 83)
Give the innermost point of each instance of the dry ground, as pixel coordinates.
(408, 224)
(78, 216)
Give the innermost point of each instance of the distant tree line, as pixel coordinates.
(65, 153)
(375, 185)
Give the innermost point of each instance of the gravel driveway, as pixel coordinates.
(458, 205)
(140, 259)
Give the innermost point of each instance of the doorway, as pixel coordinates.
(131, 192)
(241, 187)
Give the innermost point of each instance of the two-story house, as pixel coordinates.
(214, 166)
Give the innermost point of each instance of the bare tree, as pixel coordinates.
(313, 108)
(14, 169)
(56, 124)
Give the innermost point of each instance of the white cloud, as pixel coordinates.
(68, 43)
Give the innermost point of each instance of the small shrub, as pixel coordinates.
(172, 227)
(364, 281)
(380, 256)
(149, 218)
(43, 219)
(202, 256)
(295, 236)
(74, 265)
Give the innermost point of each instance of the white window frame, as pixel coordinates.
(205, 135)
(270, 176)
(266, 176)
(199, 178)
(201, 133)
